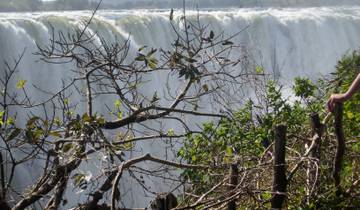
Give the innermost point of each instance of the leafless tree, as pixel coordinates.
(200, 66)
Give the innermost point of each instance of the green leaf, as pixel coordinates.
(81, 180)
(356, 147)
(181, 152)
(38, 133)
(117, 104)
(152, 51)
(142, 48)
(140, 57)
(31, 136)
(57, 121)
(14, 134)
(227, 159)
(129, 146)
(193, 158)
(31, 122)
(101, 120)
(350, 115)
(55, 134)
(229, 151)
(153, 63)
(78, 178)
(10, 121)
(171, 132)
(86, 118)
(119, 115)
(67, 147)
(266, 195)
(66, 101)
(1, 117)
(20, 84)
(304, 87)
(259, 70)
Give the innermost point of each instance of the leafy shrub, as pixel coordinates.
(246, 138)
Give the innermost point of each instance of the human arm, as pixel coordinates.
(341, 97)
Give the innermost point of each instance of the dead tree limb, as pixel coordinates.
(164, 201)
(280, 182)
(313, 181)
(2, 176)
(340, 149)
(233, 183)
(146, 157)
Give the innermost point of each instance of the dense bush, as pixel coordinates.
(246, 139)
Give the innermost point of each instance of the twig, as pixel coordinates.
(146, 157)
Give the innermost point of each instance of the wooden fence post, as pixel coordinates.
(340, 149)
(313, 181)
(164, 201)
(280, 182)
(233, 182)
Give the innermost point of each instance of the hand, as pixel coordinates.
(336, 98)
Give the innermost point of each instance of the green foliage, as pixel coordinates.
(81, 180)
(220, 142)
(304, 88)
(1, 117)
(347, 70)
(244, 138)
(259, 70)
(21, 84)
(149, 59)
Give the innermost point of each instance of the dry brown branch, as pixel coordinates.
(340, 150)
(146, 157)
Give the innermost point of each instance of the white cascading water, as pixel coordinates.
(290, 42)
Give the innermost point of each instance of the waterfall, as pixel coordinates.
(225, 3)
(291, 41)
(287, 41)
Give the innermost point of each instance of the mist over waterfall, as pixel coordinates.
(227, 3)
(289, 42)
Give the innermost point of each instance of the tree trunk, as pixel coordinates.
(313, 181)
(340, 150)
(232, 185)
(280, 182)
